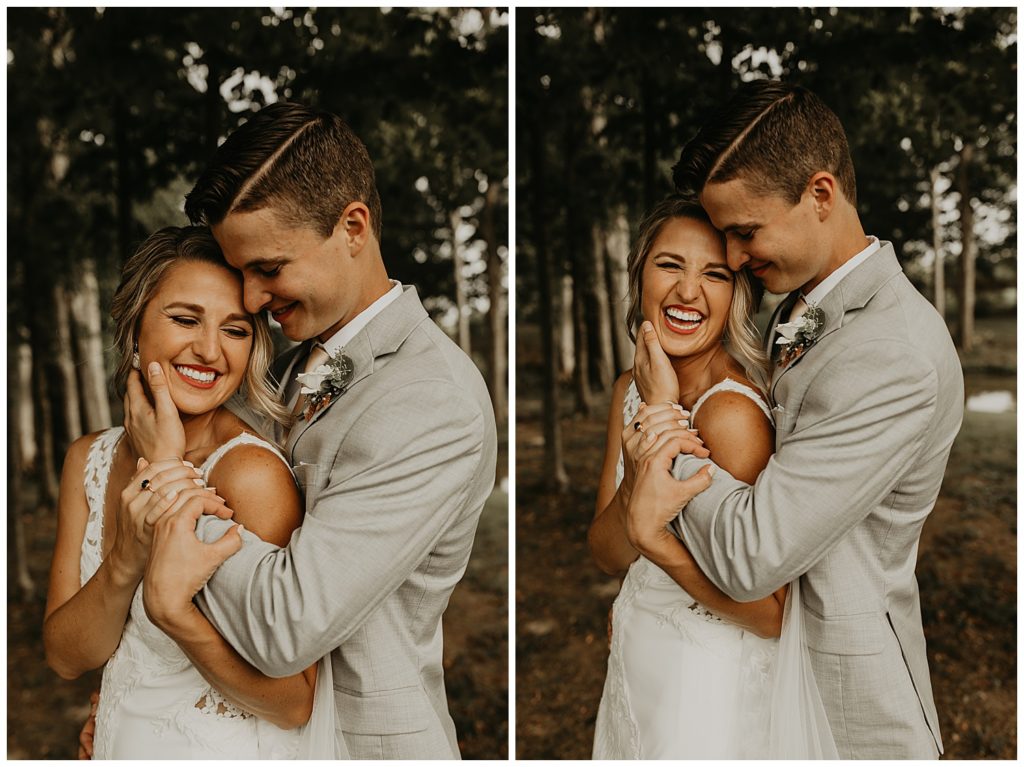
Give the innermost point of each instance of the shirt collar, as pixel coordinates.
(825, 286)
(348, 331)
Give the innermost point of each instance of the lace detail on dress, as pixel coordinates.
(148, 665)
(214, 704)
(97, 469)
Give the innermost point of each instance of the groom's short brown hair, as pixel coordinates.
(772, 134)
(306, 164)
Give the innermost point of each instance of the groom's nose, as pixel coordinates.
(735, 255)
(254, 296)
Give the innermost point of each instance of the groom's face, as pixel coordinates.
(308, 283)
(780, 243)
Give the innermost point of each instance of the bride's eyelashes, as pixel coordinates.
(231, 330)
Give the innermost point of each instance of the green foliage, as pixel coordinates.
(625, 88)
(112, 109)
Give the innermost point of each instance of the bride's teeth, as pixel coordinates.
(680, 316)
(195, 375)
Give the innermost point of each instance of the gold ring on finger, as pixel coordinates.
(146, 485)
(638, 426)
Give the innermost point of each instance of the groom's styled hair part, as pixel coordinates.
(772, 134)
(306, 164)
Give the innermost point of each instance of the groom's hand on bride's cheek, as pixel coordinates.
(180, 564)
(154, 428)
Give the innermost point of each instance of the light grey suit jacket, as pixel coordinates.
(395, 473)
(864, 420)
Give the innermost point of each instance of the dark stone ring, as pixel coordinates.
(638, 426)
(145, 486)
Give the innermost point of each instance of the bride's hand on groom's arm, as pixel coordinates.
(639, 435)
(658, 496)
(656, 379)
(155, 489)
(180, 564)
(154, 428)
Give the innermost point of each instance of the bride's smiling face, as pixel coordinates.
(196, 327)
(687, 287)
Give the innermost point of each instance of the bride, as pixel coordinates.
(178, 306)
(692, 673)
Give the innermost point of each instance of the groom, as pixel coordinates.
(395, 452)
(867, 393)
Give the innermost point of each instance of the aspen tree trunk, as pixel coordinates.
(602, 348)
(566, 340)
(617, 248)
(969, 250)
(49, 485)
(581, 367)
(65, 359)
(23, 458)
(496, 314)
(85, 310)
(462, 329)
(939, 273)
(556, 478)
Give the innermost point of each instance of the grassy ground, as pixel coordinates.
(966, 569)
(45, 713)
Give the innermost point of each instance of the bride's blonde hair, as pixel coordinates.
(741, 337)
(140, 279)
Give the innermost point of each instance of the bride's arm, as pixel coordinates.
(740, 440)
(609, 544)
(82, 624)
(261, 491)
(607, 534)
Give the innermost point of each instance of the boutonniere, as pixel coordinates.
(325, 382)
(799, 335)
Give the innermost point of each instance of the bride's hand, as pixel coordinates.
(641, 433)
(658, 496)
(155, 489)
(181, 564)
(655, 378)
(155, 429)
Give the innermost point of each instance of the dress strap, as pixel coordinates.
(97, 471)
(734, 386)
(245, 438)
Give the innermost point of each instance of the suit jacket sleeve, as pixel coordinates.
(863, 418)
(399, 479)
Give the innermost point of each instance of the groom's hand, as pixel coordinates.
(655, 378)
(658, 496)
(180, 565)
(154, 429)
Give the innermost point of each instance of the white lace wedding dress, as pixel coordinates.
(682, 682)
(154, 704)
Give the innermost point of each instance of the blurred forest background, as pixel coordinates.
(111, 115)
(605, 100)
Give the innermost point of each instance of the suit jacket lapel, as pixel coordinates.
(381, 337)
(842, 304)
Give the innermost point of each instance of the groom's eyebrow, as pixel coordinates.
(259, 263)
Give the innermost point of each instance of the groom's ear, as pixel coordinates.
(354, 224)
(823, 189)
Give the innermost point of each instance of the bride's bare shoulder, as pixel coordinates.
(737, 432)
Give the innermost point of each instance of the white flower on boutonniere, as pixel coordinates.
(325, 382)
(798, 336)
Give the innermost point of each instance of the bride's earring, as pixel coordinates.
(136, 362)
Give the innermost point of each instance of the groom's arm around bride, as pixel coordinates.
(395, 454)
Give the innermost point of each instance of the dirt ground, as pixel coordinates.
(966, 570)
(45, 713)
